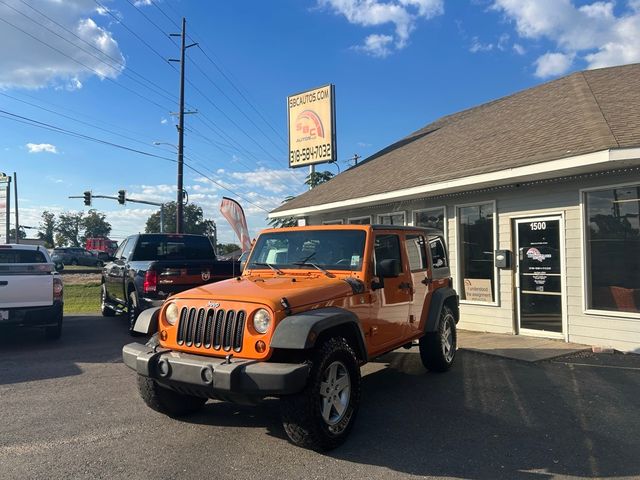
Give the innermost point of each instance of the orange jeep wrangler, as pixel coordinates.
(312, 305)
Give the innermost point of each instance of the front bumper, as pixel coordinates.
(34, 316)
(215, 377)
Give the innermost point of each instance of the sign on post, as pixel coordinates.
(312, 127)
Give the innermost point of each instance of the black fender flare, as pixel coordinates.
(301, 330)
(147, 321)
(438, 299)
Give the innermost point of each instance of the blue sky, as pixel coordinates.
(396, 64)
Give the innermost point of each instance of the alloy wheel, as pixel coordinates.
(335, 393)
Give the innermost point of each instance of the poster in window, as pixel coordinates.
(478, 290)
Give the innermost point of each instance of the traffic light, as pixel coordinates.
(121, 198)
(87, 199)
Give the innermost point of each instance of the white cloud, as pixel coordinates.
(30, 63)
(477, 46)
(163, 121)
(41, 147)
(142, 3)
(376, 45)
(591, 32)
(519, 49)
(402, 14)
(553, 64)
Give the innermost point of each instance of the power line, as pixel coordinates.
(196, 88)
(48, 126)
(115, 60)
(82, 64)
(78, 121)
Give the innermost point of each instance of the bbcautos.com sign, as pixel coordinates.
(312, 135)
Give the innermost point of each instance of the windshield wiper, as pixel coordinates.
(309, 264)
(272, 267)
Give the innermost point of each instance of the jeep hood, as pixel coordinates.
(298, 290)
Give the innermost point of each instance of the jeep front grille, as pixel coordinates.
(211, 328)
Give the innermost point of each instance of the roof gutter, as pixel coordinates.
(586, 163)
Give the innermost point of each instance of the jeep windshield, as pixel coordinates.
(309, 250)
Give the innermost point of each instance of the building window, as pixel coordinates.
(431, 218)
(333, 222)
(477, 272)
(438, 255)
(613, 249)
(360, 220)
(391, 218)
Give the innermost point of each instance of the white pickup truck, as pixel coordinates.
(31, 293)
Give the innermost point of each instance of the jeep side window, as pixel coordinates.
(416, 252)
(387, 246)
(438, 255)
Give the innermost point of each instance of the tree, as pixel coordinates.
(227, 248)
(282, 222)
(193, 218)
(316, 178)
(21, 234)
(95, 225)
(68, 229)
(47, 228)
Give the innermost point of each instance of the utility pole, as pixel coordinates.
(181, 113)
(15, 195)
(356, 157)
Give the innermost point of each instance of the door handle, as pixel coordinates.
(404, 286)
(4, 283)
(426, 281)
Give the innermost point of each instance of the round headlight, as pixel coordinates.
(261, 321)
(172, 313)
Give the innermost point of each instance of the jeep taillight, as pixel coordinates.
(57, 288)
(150, 281)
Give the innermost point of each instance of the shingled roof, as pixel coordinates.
(581, 113)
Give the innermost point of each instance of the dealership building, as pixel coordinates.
(538, 195)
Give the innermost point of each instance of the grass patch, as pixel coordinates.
(82, 298)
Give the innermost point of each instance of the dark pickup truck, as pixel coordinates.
(148, 268)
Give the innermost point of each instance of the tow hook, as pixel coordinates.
(227, 359)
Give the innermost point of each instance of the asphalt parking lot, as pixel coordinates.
(70, 409)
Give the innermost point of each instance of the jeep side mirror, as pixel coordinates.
(388, 268)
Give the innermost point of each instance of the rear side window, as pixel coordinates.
(438, 254)
(173, 247)
(416, 252)
(22, 256)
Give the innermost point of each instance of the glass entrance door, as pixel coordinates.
(539, 275)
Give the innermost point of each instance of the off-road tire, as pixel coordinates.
(438, 349)
(133, 310)
(166, 401)
(105, 309)
(302, 413)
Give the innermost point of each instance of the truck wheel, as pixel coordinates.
(105, 309)
(168, 402)
(132, 311)
(438, 349)
(55, 332)
(322, 415)
(74, 262)
(99, 264)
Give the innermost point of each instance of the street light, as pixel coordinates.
(165, 143)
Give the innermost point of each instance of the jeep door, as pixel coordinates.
(421, 279)
(391, 303)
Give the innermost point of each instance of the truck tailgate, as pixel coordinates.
(23, 290)
(174, 278)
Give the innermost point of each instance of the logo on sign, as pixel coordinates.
(309, 124)
(206, 275)
(535, 254)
